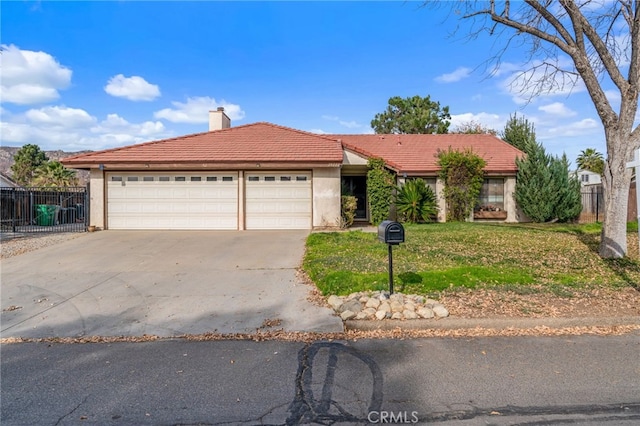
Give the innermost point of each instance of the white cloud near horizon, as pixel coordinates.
(348, 124)
(558, 109)
(582, 127)
(492, 121)
(73, 129)
(460, 73)
(196, 110)
(134, 88)
(30, 77)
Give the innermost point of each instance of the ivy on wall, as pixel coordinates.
(462, 173)
(380, 186)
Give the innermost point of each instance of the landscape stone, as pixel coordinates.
(440, 310)
(384, 306)
(372, 303)
(335, 302)
(409, 314)
(347, 315)
(426, 313)
(351, 305)
(369, 311)
(396, 306)
(381, 315)
(409, 306)
(397, 316)
(361, 315)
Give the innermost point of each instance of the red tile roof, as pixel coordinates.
(270, 143)
(258, 142)
(417, 154)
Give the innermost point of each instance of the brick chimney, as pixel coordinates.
(218, 120)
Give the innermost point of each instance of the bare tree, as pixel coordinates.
(602, 40)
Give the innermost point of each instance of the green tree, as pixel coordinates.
(26, 161)
(463, 174)
(545, 188)
(412, 115)
(535, 192)
(569, 199)
(416, 202)
(380, 187)
(54, 174)
(519, 132)
(592, 160)
(601, 41)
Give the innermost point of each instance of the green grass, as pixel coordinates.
(450, 255)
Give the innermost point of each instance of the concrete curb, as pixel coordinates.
(489, 323)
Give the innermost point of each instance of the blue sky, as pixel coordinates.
(96, 75)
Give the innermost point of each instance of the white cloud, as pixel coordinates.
(114, 124)
(348, 124)
(196, 110)
(459, 74)
(134, 88)
(492, 121)
(586, 126)
(558, 109)
(73, 129)
(30, 77)
(318, 131)
(60, 116)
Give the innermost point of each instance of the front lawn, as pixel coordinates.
(445, 255)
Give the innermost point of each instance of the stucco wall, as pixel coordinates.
(97, 198)
(509, 200)
(326, 197)
(442, 204)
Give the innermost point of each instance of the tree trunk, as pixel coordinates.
(616, 182)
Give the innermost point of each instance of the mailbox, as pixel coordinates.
(391, 232)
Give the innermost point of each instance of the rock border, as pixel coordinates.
(380, 305)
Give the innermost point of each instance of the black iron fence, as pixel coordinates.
(592, 205)
(44, 209)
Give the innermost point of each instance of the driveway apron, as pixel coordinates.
(165, 283)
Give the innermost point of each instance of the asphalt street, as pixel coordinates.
(463, 381)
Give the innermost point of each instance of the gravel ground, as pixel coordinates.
(13, 244)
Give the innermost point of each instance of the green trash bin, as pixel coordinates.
(46, 214)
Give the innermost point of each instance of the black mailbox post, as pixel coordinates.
(392, 234)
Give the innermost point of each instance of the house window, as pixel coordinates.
(147, 178)
(492, 195)
(227, 178)
(164, 179)
(301, 178)
(196, 179)
(285, 178)
(269, 178)
(116, 178)
(132, 178)
(212, 178)
(584, 178)
(254, 178)
(180, 179)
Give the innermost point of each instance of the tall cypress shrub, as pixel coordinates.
(569, 201)
(535, 191)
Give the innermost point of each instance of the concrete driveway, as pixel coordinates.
(164, 283)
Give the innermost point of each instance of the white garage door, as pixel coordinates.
(156, 200)
(278, 200)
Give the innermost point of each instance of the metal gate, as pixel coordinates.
(44, 209)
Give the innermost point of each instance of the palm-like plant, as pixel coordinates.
(416, 202)
(54, 174)
(592, 160)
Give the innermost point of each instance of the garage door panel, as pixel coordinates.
(282, 202)
(194, 203)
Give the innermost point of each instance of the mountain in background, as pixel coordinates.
(7, 153)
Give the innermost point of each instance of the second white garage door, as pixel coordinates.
(170, 200)
(278, 200)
